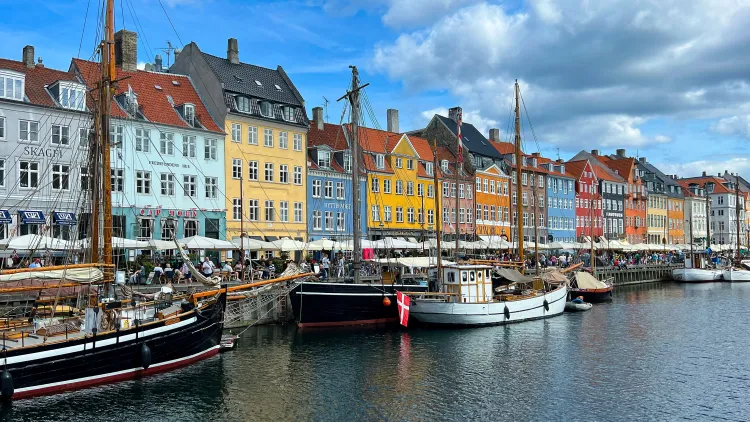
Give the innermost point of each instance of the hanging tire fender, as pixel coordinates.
(506, 312)
(145, 356)
(6, 385)
(546, 305)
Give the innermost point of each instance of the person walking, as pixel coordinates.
(325, 264)
(207, 268)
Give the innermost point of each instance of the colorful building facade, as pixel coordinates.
(492, 202)
(636, 227)
(589, 218)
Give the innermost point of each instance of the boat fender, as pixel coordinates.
(6, 385)
(506, 311)
(546, 305)
(386, 302)
(145, 356)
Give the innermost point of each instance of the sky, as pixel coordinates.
(668, 80)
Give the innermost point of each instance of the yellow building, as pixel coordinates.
(400, 189)
(656, 218)
(265, 148)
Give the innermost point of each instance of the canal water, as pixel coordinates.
(656, 352)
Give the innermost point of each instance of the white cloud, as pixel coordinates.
(711, 167)
(734, 125)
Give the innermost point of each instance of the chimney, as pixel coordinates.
(559, 161)
(719, 174)
(642, 159)
(318, 117)
(158, 63)
(392, 120)
(495, 135)
(28, 56)
(39, 62)
(704, 174)
(621, 153)
(126, 50)
(536, 154)
(177, 53)
(453, 113)
(594, 152)
(233, 51)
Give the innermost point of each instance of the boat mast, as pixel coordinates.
(519, 206)
(737, 208)
(242, 221)
(107, 88)
(708, 216)
(591, 232)
(438, 221)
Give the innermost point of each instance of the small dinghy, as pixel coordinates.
(228, 341)
(577, 305)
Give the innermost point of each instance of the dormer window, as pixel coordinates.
(243, 104)
(131, 102)
(533, 162)
(266, 109)
(347, 161)
(288, 113)
(428, 168)
(380, 161)
(189, 114)
(523, 161)
(513, 159)
(324, 159)
(444, 166)
(12, 85)
(70, 95)
(278, 88)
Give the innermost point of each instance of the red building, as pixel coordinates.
(589, 217)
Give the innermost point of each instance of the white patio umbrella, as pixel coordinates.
(161, 245)
(34, 241)
(117, 243)
(286, 244)
(250, 244)
(201, 242)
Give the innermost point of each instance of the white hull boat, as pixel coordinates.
(696, 275)
(734, 275)
(489, 311)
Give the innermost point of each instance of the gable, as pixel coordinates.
(404, 147)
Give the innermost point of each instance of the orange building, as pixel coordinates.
(492, 202)
(676, 216)
(636, 227)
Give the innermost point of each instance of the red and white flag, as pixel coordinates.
(403, 301)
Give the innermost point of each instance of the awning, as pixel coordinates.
(32, 217)
(64, 218)
(5, 217)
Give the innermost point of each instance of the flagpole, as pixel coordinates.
(459, 165)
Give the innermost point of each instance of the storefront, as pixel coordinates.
(168, 224)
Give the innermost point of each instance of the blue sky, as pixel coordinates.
(667, 81)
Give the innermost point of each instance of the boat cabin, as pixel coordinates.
(469, 283)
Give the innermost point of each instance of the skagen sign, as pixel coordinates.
(42, 152)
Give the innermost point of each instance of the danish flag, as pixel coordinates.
(403, 301)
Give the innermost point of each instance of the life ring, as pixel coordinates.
(6, 385)
(506, 312)
(145, 356)
(546, 305)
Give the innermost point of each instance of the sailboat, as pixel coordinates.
(467, 296)
(736, 273)
(696, 267)
(329, 304)
(106, 340)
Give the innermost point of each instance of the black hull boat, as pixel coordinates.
(60, 364)
(317, 304)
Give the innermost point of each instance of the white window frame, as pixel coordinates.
(63, 135)
(236, 132)
(212, 187)
(31, 128)
(29, 172)
(283, 173)
(298, 212)
(166, 143)
(62, 172)
(143, 182)
(166, 184)
(142, 140)
(297, 142)
(252, 135)
(236, 169)
(268, 138)
(211, 149)
(252, 170)
(268, 172)
(189, 146)
(189, 185)
(297, 175)
(284, 140)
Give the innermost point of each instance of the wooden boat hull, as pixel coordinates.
(59, 366)
(318, 304)
(696, 275)
(736, 275)
(593, 295)
(441, 313)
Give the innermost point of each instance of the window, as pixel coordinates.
(252, 170)
(398, 162)
(484, 186)
(11, 87)
(189, 186)
(387, 213)
(60, 174)
(478, 183)
(168, 228)
(268, 138)
(266, 109)
(188, 146)
(486, 213)
(328, 189)
(420, 190)
(284, 140)
(212, 187)
(375, 213)
(430, 216)
(430, 191)
(524, 178)
(386, 186)
(410, 164)
(142, 140)
(525, 197)
(341, 221)
(399, 214)
(317, 220)
(461, 214)
(288, 113)
(253, 210)
(284, 211)
(324, 159)
(461, 190)
(117, 181)
(316, 188)
(541, 181)
(167, 184)
(85, 178)
(492, 186)
(28, 131)
(339, 190)
(329, 220)
(410, 188)
(283, 173)
(191, 228)
(243, 104)
(347, 162)
(410, 215)
(236, 168)
(446, 189)
(269, 211)
(60, 135)
(236, 132)
(380, 161)
(2, 127)
(211, 149)
(375, 185)
(298, 212)
(479, 212)
(166, 143)
(428, 168)
(236, 209)
(143, 182)
(444, 166)
(269, 172)
(297, 139)
(297, 175)
(399, 187)
(189, 112)
(146, 228)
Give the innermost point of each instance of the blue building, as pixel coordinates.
(561, 211)
(329, 194)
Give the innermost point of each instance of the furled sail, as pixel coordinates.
(206, 281)
(76, 275)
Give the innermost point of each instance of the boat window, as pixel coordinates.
(472, 277)
(464, 276)
(487, 273)
(451, 277)
(479, 275)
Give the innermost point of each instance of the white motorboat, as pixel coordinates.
(467, 299)
(735, 275)
(696, 275)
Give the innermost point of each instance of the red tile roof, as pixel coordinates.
(36, 80)
(423, 148)
(603, 175)
(575, 168)
(153, 102)
(504, 147)
(717, 181)
(623, 166)
(331, 135)
(378, 141)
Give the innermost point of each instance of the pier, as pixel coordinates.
(638, 274)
